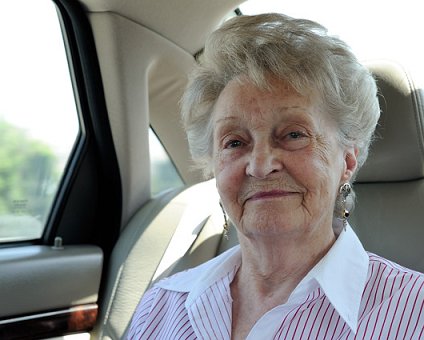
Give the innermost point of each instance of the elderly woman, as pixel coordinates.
(282, 115)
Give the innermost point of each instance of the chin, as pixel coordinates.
(272, 225)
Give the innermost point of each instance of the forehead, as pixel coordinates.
(241, 98)
(273, 87)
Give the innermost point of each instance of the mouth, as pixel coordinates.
(262, 195)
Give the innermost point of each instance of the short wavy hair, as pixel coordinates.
(298, 51)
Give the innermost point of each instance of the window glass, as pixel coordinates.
(38, 116)
(163, 172)
(376, 29)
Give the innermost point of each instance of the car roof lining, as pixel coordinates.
(171, 20)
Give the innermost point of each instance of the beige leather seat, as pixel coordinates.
(389, 213)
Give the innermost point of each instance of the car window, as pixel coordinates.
(164, 175)
(374, 29)
(38, 116)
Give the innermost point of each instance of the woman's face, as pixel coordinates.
(277, 160)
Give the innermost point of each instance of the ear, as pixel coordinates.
(350, 163)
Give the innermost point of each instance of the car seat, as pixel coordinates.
(389, 213)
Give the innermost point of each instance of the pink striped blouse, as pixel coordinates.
(349, 294)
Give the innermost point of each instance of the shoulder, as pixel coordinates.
(165, 303)
(393, 281)
(204, 274)
(149, 312)
(393, 300)
(380, 266)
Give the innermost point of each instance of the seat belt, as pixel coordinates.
(200, 218)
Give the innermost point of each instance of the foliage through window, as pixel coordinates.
(38, 116)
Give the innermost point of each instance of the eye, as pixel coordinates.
(296, 135)
(295, 140)
(233, 144)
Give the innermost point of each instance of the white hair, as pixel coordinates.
(297, 51)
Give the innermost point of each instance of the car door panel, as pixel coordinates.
(48, 290)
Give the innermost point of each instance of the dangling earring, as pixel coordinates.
(345, 190)
(225, 226)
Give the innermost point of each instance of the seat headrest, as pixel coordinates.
(397, 153)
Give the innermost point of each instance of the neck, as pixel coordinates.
(271, 269)
(273, 265)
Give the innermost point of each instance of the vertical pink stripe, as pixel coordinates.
(373, 288)
(413, 307)
(343, 330)
(325, 312)
(329, 323)
(405, 306)
(302, 309)
(212, 318)
(279, 332)
(298, 321)
(388, 307)
(382, 298)
(366, 289)
(202, 323)
(418, 317)
(338, 323)
(316, 316)
(310, 308)
(221, 315)
(401, 291)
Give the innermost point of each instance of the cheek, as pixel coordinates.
(313, 170)
(229, 177)
(322, 174)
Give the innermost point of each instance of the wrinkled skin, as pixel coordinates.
(277, 161)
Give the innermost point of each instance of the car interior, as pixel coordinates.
(108, 238)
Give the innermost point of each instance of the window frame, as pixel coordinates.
(91, 170)
(87, 205)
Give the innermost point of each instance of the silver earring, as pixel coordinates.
(225, 226)
(345, 190)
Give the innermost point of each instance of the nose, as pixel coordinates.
(263, 160)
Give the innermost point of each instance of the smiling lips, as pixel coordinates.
(271, 194)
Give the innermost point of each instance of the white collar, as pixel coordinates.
(341, 273)
(198, 279)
